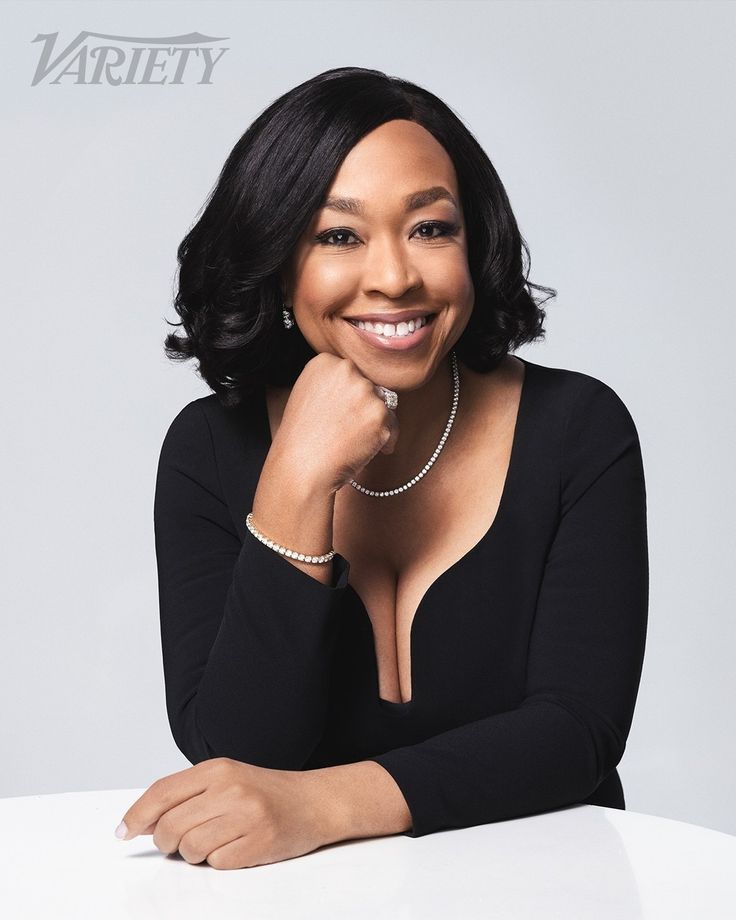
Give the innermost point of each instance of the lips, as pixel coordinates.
(396, 342)
(424, 319)
(402, 317)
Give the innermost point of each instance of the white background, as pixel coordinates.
(612, 128)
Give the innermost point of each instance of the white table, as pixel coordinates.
(59, 859)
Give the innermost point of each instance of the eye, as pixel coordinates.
(444, 228)
(324, 237)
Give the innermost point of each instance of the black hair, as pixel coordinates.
(271, 185)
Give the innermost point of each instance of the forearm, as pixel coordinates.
(359, 800)
(247, 637)
(296, 513)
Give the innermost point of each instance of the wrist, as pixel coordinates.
(295, 512)
(359, 800)
(298, 476)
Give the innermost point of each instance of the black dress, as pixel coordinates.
(526, 653)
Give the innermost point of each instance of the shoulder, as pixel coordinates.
(207, 416)
(581, 399)
(187, 440)
(191, 422)
(191, 416)
(594, 429)
(206, 437)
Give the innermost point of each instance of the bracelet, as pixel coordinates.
(291, 553)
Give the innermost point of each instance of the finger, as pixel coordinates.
(163, 795)
(391, 420)
(241, 853)
(379, 393)
(198, 842)
(187, 818)
(393, 423)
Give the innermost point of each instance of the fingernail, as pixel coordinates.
(121, 830)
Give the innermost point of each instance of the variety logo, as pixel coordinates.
(118, 60)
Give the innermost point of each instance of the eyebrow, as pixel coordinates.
(412, 202)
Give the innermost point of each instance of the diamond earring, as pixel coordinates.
(288, 318)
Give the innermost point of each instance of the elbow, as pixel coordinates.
(188, 736)
(604, 743)
(596, 745)
(199, 739)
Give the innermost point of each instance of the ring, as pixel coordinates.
(389, 397)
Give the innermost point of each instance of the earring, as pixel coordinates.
(288, 318)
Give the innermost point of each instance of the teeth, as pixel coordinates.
(394, 330)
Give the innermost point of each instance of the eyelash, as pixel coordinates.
(448, 230)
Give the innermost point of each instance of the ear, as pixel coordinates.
(283, 292)
(285, 283)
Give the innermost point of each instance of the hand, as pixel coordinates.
(232, 814)
(334, 422)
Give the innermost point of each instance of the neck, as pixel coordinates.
(422, 415)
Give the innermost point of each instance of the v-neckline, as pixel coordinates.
(405, 707)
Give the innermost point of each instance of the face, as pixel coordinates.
(393, 252)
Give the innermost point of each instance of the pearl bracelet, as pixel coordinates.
(292, 554)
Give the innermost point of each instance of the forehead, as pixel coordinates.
(398, 164)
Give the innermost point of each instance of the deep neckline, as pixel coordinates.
(405, 707)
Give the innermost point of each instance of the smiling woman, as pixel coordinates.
(350, 171)
(401, 570)
(403, 249)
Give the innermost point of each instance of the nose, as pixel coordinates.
(389, 268)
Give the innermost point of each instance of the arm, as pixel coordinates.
(357, 800)
(247, 636)
(585, 655)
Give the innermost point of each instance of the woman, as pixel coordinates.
(403, 574)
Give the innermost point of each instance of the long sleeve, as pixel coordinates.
(585, 653)
(247, 638)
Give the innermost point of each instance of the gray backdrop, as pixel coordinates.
(612, 128)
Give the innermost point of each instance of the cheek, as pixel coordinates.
(323, 280)
(452, 283)
(321, 290)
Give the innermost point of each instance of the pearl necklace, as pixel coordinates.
(435, 455)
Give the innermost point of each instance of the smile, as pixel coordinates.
(395, 337)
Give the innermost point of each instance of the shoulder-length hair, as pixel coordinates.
(273, 182)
